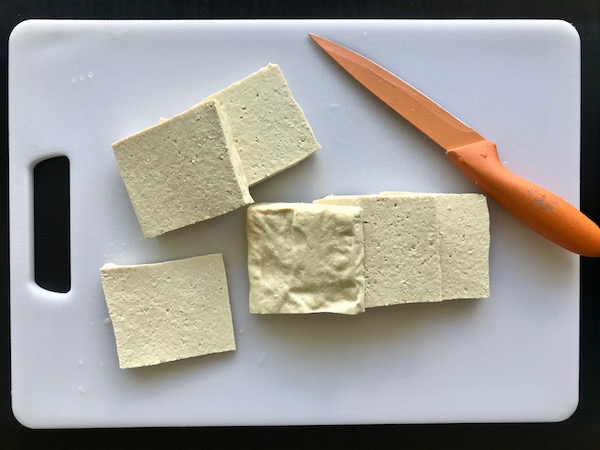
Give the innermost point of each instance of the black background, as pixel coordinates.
(581, 431)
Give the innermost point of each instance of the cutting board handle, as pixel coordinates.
(51, 228)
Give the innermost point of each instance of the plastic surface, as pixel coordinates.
(76, 87)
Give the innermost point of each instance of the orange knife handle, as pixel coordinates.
(541, 210)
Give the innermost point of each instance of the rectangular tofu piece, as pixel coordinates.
(305, 258)
(268, 127)
(401, 245)
(182, 171)
(464, 227)
(168, 311)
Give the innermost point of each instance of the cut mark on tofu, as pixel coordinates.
(305, 258)
(169, 311)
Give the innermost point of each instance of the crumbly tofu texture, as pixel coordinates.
(305, 258)
(168, 311)
(464, 227)
(455, 265)
(269, 129)
(182, 171)
(401, 245)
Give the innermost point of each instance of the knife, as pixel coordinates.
(476, 157)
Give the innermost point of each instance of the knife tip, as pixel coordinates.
(318, 39)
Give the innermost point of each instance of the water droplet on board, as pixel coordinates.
(81, 389)
(80, 362)
(90, 74)
(73, 80)
(334, 105)
(107, 321)
(81, 77)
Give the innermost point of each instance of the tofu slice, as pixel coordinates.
(168, 311)
(268, 126)
(305, 258)
(401, 245)
(464, 223)
(464, 227)
(182, 171)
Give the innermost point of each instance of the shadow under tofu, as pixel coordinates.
(157, 374)
(335, 345)
(368, 329)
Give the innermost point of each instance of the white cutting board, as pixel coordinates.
(77, 86)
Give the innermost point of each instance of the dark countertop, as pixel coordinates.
(581, 431)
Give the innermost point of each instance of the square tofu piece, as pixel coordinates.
(305, 258)
(182, 171)
(268, 127)
(464, 227)
(168, 311)
(401, 240)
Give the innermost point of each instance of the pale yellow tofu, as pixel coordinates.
(182, 171)
(305, 258)
(168, 311)
(401, 245)
(464, 227)
(269, 129)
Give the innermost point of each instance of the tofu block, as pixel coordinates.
(268, 127)
(305, 258)
(464, 227)
(182, 171)
(168, 311)
(401, 245)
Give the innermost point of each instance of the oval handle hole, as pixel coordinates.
(52, 227)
